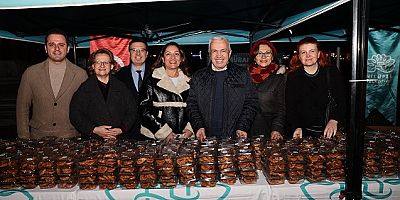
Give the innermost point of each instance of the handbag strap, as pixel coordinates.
(328, 80)
(330, 98)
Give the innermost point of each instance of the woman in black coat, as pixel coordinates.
(270, 85)
(164, 105)
(307, 87)
(103, 106)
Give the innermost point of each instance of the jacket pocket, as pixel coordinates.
(35, 124)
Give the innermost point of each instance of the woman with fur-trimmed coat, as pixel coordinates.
(164, 105)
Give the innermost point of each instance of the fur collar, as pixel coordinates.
(166, 83)
(281, 70)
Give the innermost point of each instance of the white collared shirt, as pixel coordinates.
(218, 70)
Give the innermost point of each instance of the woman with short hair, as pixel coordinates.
(103, 107)
(308, 87)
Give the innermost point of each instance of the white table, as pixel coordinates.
(221, 191)
(239, 191)
(383, 188)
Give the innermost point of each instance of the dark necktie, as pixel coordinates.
(140, 80)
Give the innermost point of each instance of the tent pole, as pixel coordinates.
(74, 44)
(355, 139)
(338, 58)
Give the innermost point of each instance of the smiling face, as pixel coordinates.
(102, 65)
(220, 53)
(264, 56)
(138, 53)
(172, 57)
(309, 54)
(56, 47)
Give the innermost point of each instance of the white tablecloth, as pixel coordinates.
(382, 188)
(221, 191)
(388, 188)
(239, 191)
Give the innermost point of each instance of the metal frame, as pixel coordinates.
(355, 137)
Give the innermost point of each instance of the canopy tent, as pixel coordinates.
(325, 21)
(186, 22)
(297, 19)
(24, 4)
(250, 20)
(338, 35)
(195, 37)
(189, 38)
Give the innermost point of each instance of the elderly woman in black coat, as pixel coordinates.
(103, 106)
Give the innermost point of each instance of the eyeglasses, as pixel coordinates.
(99, 63)
(140, 51)
(266, 54)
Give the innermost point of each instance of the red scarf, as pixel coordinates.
(259, 74)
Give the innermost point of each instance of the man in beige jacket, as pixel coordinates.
(46, 90)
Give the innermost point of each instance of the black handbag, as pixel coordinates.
(331, 106)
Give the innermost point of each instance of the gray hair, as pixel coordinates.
(219, 37)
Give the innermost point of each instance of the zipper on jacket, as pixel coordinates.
(212, 102)
(223, 105)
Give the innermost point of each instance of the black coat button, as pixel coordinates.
(55, 104)
(54, 124)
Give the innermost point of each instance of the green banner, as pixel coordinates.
(383, 70)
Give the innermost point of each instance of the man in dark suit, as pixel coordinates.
(135, 74)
